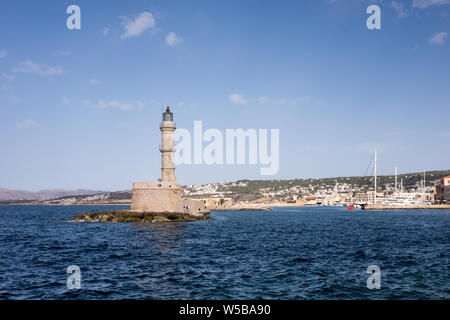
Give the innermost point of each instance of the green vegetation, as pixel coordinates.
(251, 189)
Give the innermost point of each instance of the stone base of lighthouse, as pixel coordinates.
(163, 196)
(156, 197)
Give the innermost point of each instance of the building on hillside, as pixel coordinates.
(362, 197)
(442, 190)
(312, 201)
(214, 203)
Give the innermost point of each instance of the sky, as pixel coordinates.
(80, 108)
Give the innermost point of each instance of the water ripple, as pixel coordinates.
(288, 253)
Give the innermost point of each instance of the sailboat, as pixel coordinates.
(353, 206)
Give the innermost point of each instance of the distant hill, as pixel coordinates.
(7, 194)
(410, 180)
(251, 189)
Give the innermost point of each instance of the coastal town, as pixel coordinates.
(332, 192)
(411, 189)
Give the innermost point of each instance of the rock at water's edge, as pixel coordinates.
(135, 216)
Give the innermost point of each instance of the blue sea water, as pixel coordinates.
(287, 253)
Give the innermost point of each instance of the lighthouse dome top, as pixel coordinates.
(168, 116)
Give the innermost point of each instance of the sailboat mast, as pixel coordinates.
(396, 178)
(375, 176)
(423, 183)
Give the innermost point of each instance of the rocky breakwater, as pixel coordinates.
(136, 216)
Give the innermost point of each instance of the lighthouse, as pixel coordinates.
(164, 195)
(167, 128)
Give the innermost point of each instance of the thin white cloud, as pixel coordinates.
(263, 100)
(29, 66)
(3, 54)
(105, 31)
(64, 53)
(281, 101)
(95, 81)
(237, 99)
(438, 38)
(173, 39)
(142, 22)
(6, 76)
(423, 4)
(116, 104)
(65, 101)
(402, 12)
(29, 123)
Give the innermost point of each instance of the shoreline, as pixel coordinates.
(63, 205)
(268, 207)
(409, 207)
(249, 207)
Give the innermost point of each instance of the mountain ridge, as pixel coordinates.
(10, 194)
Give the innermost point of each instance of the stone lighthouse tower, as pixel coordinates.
(164, 196)
(167, 128)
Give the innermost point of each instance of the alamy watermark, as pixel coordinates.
(374, 20)
(74, 278)
(235, 151)
(374, 280)
(74, 20)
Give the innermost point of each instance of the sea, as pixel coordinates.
(287, 253)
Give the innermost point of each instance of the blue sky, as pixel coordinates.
(81, 108)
